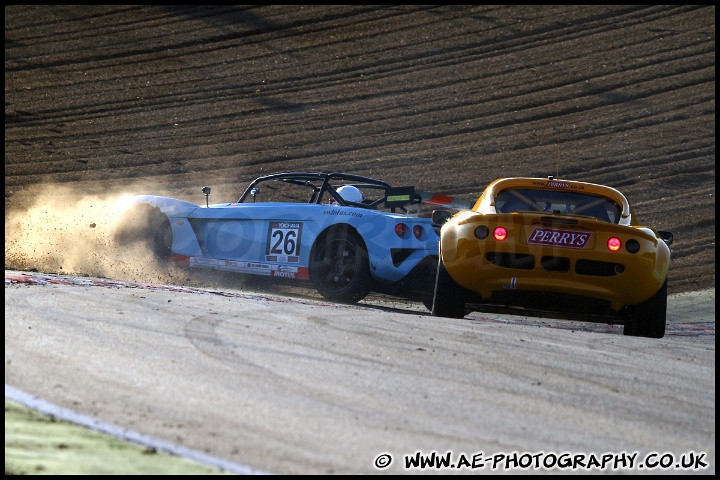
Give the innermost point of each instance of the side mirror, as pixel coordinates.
(206, 191)
(666, 236)
(441, 216)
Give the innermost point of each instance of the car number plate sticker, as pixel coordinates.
(284, 240)
(559, 238)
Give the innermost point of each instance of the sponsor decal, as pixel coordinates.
(557, 184)
(285, 271)
(253, 268)
(342, 211)
(202, 262)
(285, 268)
(512, 285)
(290, 271)
(229, 265)
(289, 225)
(559, 238)
(277, 273)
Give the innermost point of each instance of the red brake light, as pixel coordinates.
(614, 244)
(500, 234)
(400, 230)
(417, 231)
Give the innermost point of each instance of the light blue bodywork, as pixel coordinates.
(242, 232)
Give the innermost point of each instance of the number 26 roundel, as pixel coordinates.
(284, 238)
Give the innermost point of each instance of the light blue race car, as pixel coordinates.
(348, 235)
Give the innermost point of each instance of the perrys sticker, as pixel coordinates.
(559, 184)
(559, 238)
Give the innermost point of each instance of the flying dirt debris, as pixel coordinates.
(68, 233)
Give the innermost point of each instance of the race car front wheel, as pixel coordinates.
(340, 269)
(650, 317)
(146, 225)
(449, 297)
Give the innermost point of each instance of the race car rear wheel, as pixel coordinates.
(340, 268)
(650, 317)
(449, 297)
(148, 225)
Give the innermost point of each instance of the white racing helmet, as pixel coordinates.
(350, 194)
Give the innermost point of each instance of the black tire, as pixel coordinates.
(147, 225)
(650, 317)
(162, 241)
(340, 267)
(449, 297)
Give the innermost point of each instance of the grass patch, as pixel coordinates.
(40, 444)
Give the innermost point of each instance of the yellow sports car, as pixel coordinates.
(557, 247)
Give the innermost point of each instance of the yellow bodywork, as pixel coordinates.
(588, 268)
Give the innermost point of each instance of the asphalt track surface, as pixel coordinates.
(291, 385)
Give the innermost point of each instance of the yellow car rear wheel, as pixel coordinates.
(650, 317)
(449, 297)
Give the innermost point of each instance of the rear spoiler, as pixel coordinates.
(398, 197)
(450, 202)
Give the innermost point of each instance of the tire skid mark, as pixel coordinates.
(201, 332)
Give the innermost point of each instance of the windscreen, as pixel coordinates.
(557, 202)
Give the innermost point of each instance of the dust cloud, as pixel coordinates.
(64, 232)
